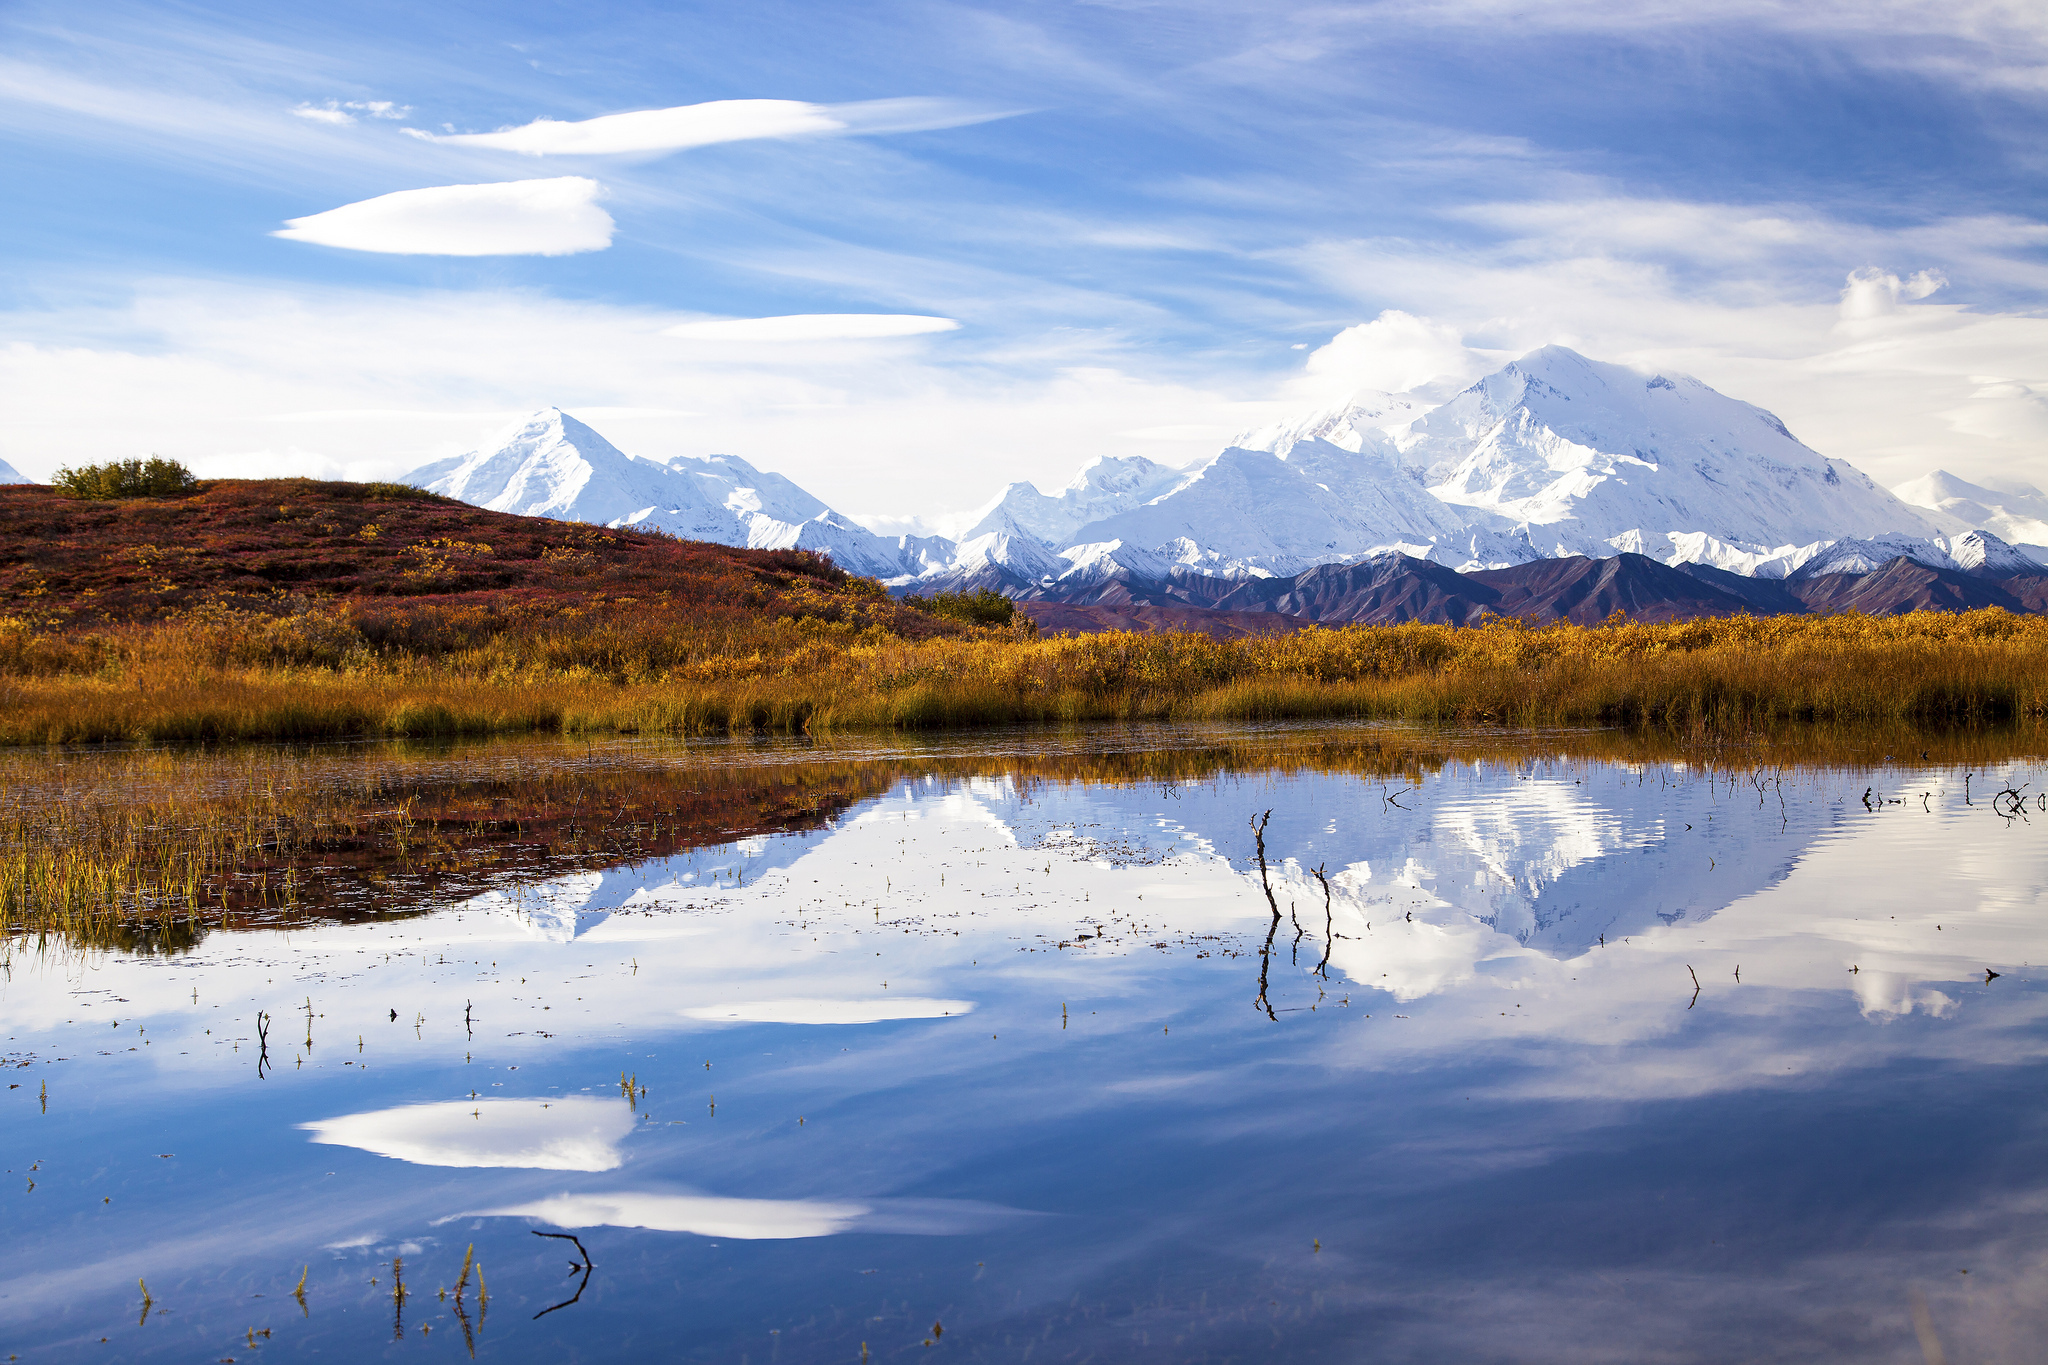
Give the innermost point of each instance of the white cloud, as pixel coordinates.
(345, 111)
(812, 327)
(555, 217)
(1873, 293)
(241, 381)
(1750, 300)
(1394, 353)
(700, 125)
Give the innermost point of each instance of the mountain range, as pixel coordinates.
(1552, 458)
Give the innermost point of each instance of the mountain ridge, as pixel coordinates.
(1553, 455)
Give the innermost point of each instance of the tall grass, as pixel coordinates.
(330, 674)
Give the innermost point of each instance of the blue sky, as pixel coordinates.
(1155, 224)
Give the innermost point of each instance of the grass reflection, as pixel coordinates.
(147, 851)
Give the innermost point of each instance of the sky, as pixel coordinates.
(905, 253)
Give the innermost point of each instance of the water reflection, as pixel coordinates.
(1554, 1059)
(570, 1134)
(704, 1215)
(829, 1011)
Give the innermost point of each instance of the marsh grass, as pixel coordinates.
(322, 675)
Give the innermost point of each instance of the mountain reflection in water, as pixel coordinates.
(1566, 1059)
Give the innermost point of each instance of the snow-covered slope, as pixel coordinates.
(1364, 418)
(551, 465)
(2019, 518)
(9, 474)
(1252, 513)
(1984, 554)
(1592, 458)
(1105, 486)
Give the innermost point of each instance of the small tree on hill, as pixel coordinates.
(152, 478)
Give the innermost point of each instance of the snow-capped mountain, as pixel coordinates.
(1252, 513)
(551, 465)
(1552, 455)
(9, 474)
(1590, 458)
(2019, 517)
(1105, 486)
(1367, 416)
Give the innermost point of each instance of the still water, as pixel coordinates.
(1524, 1058)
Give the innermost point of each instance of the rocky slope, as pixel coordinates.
(1394, 588)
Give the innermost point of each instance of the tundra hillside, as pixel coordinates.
(289, 609)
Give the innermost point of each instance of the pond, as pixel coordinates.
(1523, 1054)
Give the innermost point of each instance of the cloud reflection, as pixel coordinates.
(706, 1215)
(571, 1134)
(800, 1011)
(756, 1219)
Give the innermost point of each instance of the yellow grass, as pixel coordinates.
(201, 681)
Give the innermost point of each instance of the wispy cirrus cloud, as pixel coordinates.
(340, 112)
(812, 327)
(555, 217)
(701, 125)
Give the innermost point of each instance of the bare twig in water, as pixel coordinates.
(1258, 824)
(586, 1267)
(1695, 985)
(1321, 873)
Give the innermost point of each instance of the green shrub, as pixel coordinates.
(151, 478)
(982, 607)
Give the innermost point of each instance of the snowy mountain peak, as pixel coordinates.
(9, 474)
(1363, 418)
(552, 465)
(1002, 542)
(1584, 452)
(1104, 486)
(2018, 517)
(549, 465)
(1983, 553)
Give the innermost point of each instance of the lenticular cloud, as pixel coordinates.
(555, 217)
(812, 327)
(700, 125)
(654, 130)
